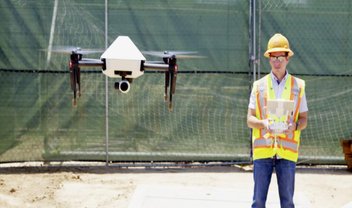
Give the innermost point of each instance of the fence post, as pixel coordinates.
(106, 92)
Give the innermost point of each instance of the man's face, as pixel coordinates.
(278, 61)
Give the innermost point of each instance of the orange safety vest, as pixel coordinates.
(263, 142)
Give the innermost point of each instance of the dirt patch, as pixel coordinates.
(100, 186)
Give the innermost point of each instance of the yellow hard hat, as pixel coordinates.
(278, 43)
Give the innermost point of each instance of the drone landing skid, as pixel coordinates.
(170, 68)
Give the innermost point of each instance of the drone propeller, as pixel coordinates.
(77, 50)
(178, 54)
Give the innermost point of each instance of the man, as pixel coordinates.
(273, 150)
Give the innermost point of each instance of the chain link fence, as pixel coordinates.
(38, 122)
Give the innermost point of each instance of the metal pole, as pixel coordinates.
(106, 92)
(52, 31)
(259, 38)
(250, 37)
(254, 39)
(253, 52)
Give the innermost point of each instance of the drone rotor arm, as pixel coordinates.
(160, 66)
(90, 62)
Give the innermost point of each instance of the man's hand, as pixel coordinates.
(267, 123)
(291, 128)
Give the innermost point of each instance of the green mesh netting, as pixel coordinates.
(38, 121)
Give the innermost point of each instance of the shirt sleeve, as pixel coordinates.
(252, 99)
(303, 107)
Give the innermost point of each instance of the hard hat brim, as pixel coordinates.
(267, 53)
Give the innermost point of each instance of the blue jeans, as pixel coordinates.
(285, 173)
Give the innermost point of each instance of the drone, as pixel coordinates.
(123, 60)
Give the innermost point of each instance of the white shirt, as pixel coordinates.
(278, 89)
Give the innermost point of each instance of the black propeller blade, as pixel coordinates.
(77, 50)
(178, 54)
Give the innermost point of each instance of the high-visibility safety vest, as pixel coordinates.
(266, 145)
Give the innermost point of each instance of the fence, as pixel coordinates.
(38, 122)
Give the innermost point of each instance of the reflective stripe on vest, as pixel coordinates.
(268, 143)
(287, 145)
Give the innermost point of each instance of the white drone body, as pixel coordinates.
(123, 59)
